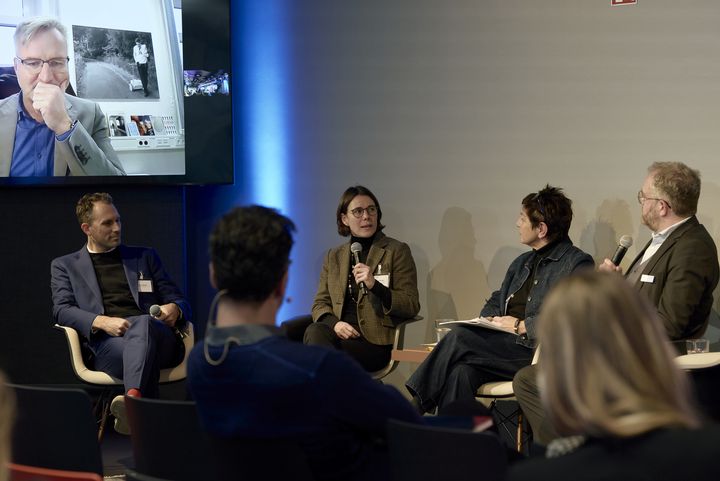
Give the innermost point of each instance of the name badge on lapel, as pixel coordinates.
(647, 278)
(383, 279)
(144, 285)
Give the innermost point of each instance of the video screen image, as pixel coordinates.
(126, 66)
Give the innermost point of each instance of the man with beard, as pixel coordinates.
(677, 270)
(105, 291)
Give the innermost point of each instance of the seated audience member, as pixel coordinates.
(470, 356)
(357, 305)
(105, 291)
(677, 271)
(250, 382)
(43, 130)
(7, 417)
(611, 389)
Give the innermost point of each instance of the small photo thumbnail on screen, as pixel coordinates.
(117, 126)
(204, 83)
(141, 125)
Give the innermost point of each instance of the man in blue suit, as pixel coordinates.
(105, 291)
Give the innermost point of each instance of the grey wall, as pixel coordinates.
(452, 111)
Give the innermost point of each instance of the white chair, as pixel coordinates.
(701, 360)
(398, 343)
(112, 385)
(492, 392)
(704, 370)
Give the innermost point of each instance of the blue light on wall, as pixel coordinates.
(265, 102)
(261, 70)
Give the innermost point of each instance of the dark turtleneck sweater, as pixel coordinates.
(117, 298)
(517, 302)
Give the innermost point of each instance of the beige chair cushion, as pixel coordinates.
(176, 373)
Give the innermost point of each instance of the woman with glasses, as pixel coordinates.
(363, 295)
(611, 388)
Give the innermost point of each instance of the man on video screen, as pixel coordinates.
(44, 131)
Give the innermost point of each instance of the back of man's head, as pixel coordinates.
(84, 206)
(250, 252)
(678, 184)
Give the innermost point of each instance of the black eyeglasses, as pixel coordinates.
(641, 199)
(358, 211)
(35, 65)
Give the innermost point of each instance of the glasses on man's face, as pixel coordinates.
(35, 65)
(641, 199)
(358, 211)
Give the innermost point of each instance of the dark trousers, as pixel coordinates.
(465, 359)
(143, 73)
(372, 357)
(527, 393)
(137, 356)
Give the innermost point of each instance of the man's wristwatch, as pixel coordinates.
(517, 326)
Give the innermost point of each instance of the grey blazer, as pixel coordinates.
(86, 152)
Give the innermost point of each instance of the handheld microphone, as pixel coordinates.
(623, 245)
(356, 249)
(155, 312)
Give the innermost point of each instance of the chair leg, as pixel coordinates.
(102, 411)
(519, 441)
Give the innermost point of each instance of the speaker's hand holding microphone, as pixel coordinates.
(362, 273)
(168, 314)
(613, 265)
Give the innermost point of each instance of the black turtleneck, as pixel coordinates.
(518, 301)
(117, 298)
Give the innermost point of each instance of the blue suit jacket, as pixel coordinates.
(76, 295)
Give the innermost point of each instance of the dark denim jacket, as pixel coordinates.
(562, 260)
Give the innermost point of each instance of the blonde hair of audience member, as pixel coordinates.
(606, 364)
(7, 417)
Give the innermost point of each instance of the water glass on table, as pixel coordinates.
(697, 346)
(441, 331)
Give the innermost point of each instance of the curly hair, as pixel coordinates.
(250, 252)
(679, 184)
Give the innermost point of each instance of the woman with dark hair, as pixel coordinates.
(469, 356)
(358, 304)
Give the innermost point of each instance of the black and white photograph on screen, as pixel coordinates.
(202, 82)
(143, 125)
(116, 123)
(114, 64)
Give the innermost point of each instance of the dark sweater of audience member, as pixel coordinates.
(271, 387)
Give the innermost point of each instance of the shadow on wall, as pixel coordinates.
(600, 236)
(457, 284)
(710, 196)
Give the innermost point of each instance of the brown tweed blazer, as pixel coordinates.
(377, 324)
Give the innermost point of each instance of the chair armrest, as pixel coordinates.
(78, 363)
(399, 342)
(179, 372)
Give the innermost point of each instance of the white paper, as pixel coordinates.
(480, 322)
